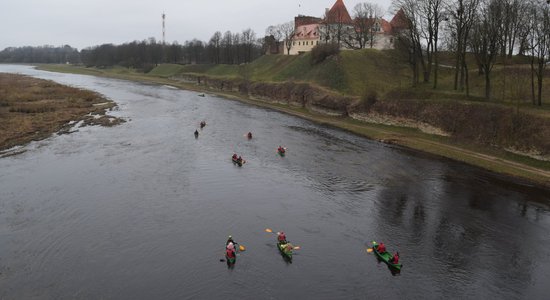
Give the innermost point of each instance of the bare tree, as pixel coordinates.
(367, 21)
(485, 40)
(227, 47)
(275, 32)
(286, 32)
(540, 37)
(248, 40)
(214, 45)
(411, 36)
(461, 17)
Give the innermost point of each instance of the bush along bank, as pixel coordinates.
(484, 124)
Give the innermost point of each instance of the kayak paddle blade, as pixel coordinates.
(242, 248)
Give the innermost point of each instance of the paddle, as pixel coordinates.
(271, 231)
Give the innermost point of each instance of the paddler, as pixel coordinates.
(281, 238)
(395, 258)
(381, 248)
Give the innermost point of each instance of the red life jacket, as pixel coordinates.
(281, 238)
(395, 259)
(230, 253)
(381, 248)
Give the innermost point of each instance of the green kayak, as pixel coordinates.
(385, 257)
(286, 254)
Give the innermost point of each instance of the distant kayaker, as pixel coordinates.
(249, 135)
(281, 149)
(196, 132)
(381, 248)
(281, 238)
(240, 159)
(235, 157)
(395, 258)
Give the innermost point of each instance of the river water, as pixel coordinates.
(142, 210)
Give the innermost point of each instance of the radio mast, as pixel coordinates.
(163, 29)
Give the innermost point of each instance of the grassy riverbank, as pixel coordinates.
(495, 160)
(32, 109)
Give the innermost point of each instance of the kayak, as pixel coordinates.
(231, 261)
(287, 255)
(236, 161)
(386, 257)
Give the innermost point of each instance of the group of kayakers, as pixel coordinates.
(381, 248)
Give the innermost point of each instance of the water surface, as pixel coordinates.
(142, 210)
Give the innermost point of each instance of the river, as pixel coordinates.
(142, 210)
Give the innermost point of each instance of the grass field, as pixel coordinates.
(33, 109)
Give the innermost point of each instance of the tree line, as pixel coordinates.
(226, 48)
(489, 30)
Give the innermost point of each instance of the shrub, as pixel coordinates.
(320, 52)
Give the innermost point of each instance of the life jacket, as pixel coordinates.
(281, 238)
(395, 259)
(381, 248)
(230, 253)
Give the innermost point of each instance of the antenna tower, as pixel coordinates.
(163, 29)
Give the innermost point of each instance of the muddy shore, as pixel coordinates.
(33, 109)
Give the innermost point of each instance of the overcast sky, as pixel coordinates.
(84, 23)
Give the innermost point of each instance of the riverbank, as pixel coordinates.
(503, 162)
(33, 109)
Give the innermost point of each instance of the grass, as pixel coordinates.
(33, 109)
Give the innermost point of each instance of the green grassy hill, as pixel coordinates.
(363, 71)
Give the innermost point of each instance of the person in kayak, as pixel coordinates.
(230, 241)
(240, 160)
(281, 238)
(234, 157)
(196, 132)
(395, 258)
(381, 248)
(288, 247)
(249, 135)
(230, 250)
(281, 149)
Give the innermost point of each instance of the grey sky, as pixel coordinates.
(83, 23)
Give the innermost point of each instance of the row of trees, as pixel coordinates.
(227, 48)
(491, 30)
(43, 54)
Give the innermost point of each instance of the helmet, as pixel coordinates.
(282, 233)
(230, 246)
(230, 237)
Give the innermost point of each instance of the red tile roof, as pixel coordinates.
(338, 14)
(399, 21)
